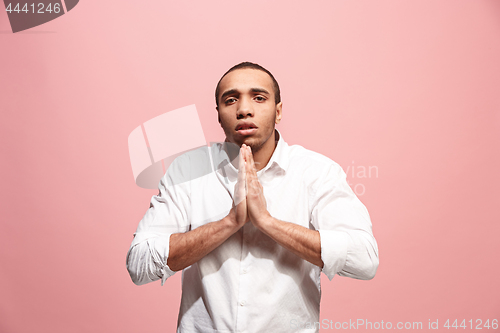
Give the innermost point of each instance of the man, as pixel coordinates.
(253, 236)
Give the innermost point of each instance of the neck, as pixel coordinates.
(264, 154)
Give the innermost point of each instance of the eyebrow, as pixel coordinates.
(236, 92)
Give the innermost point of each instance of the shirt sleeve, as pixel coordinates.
(168, 213)
(348, 247)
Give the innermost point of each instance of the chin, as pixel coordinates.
(255, 146)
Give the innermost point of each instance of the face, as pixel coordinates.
(247, 109)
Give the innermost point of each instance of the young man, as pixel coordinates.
(253, 236)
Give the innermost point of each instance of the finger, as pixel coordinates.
(244, 179)
(251, 172)
(241, 158)
(242, 167)
(243, 151)
(251, 161)
(249, 169)
(240, 186)
(247, 154)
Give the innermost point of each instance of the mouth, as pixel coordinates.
(249, 131)
(246, 128)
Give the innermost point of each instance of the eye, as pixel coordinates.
(260, 98)
(230, 101)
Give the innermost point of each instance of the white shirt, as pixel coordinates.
(250, 283)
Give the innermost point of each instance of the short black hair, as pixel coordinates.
(247, 64)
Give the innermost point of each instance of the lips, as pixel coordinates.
(245, 126)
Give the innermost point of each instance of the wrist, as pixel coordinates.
(264, 221)
(230, 221)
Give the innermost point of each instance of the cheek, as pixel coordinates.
(271, 119)
(222, 119)
(225, 124)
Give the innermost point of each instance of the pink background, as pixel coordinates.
(409, 87)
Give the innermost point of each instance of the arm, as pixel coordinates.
(189, 247)
(162, 245)
(168, 214)
(348, 247)
(150, 260)
(299, 240)
(343, 242)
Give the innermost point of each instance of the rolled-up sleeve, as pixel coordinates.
(348, 247)
(168, 213)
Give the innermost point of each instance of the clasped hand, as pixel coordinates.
(248, 192)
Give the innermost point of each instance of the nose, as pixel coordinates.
(244, 108)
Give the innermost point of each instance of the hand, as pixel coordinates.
(256, 201)
(239, 213)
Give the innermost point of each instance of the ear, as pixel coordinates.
(278, 112)
(218, 114)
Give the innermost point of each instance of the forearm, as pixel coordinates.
(187, 248)
(299, 240)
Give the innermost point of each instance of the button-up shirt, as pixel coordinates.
(250, 283)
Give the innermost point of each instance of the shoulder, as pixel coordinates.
(315, 170)
(319, 173)
(195, 158)
(189, 165)
(306, 159)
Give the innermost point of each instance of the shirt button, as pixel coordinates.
(242, 303)
(244, 271)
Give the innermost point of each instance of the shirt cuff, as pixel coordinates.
(159, 247)
(334, 246)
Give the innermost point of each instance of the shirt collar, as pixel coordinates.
(279, 159)
(277, 164)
